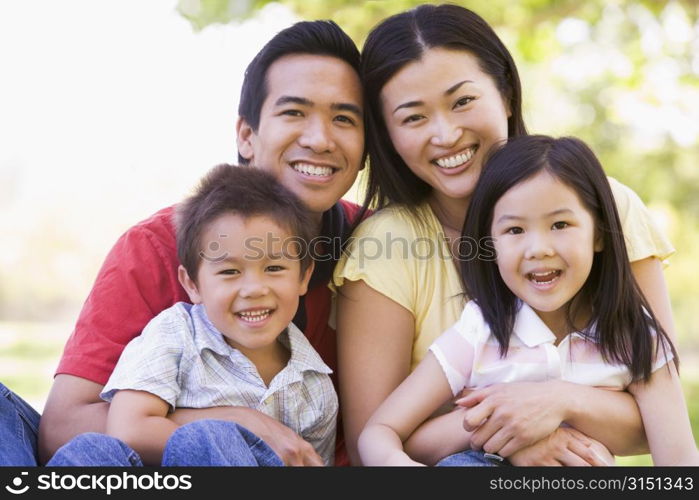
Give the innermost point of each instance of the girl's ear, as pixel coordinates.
(599, 242)
(189, 285)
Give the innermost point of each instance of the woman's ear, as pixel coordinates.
(189, 285)
(599, 242)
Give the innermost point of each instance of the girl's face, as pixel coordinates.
(545, 244)
(443, 113)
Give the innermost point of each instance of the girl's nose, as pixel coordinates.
(539, 247)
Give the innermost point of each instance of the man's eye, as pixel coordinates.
(345, 119)
(292, 112)
(560, 225)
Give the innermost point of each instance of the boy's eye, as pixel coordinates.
(275, 269)
(229, 272)
(559, 225)
(514, 230)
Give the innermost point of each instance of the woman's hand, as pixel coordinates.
(505, 418)
(564, 447)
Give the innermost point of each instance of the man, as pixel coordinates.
(301, 118)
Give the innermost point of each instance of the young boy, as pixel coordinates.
(242, 243)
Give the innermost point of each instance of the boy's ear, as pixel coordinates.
(306, 278)
(189, 285)
(245, 135)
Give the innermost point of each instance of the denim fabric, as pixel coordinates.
(200, 443)
(467, 458)
(19, 428)
(215, 442)
(93, 450)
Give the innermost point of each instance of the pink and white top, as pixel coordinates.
(470, 355)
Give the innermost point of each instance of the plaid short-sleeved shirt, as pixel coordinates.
(181, 358)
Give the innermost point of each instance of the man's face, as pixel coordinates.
(311, 132)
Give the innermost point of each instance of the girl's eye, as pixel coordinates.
(463, 101)
(559, 225)
(514, 230)
(345, 119)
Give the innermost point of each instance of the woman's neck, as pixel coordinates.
(450, 212)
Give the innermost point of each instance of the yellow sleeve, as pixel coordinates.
(379, 254)
(642, 235)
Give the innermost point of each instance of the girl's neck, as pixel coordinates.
(557, 321)
(450, 212)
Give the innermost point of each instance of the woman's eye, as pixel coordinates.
(463, 101)
(560, 225)
(514, 230)
(412, 118)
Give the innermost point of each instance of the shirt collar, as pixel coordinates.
(303, 356)
(532, 330)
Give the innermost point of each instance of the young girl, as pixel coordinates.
(553, 297)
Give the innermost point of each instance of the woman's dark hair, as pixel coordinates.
(247, 192)
(402, 39)
(622, 323)
(320, 38)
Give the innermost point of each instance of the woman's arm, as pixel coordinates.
(375, 340)
(651, 280)
(522, 413)
(665, 417)
(423, 392)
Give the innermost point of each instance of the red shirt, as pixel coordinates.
(138, 280)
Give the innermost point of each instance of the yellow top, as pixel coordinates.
(409, 261)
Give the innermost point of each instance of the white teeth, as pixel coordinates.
(553, 274)
(456, 160)
(313, 170)
(254, 316)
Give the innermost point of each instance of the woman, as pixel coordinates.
(441, 90)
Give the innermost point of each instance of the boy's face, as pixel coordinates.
(311, 131)
(249, 281)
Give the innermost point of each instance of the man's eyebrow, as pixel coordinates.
(346, 106)
(290, 99)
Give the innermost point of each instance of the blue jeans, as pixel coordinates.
(19, 428)
(467, 458)
(200, 443)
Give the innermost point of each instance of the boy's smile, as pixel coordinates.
(250, 289)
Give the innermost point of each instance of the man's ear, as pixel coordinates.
(306, 278)
(244, 137)
(189, 285)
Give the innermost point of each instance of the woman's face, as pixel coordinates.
(443, 113)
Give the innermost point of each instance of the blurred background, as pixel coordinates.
(110, 110)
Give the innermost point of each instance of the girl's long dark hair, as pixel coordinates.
(400, 40)
(622, 323)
